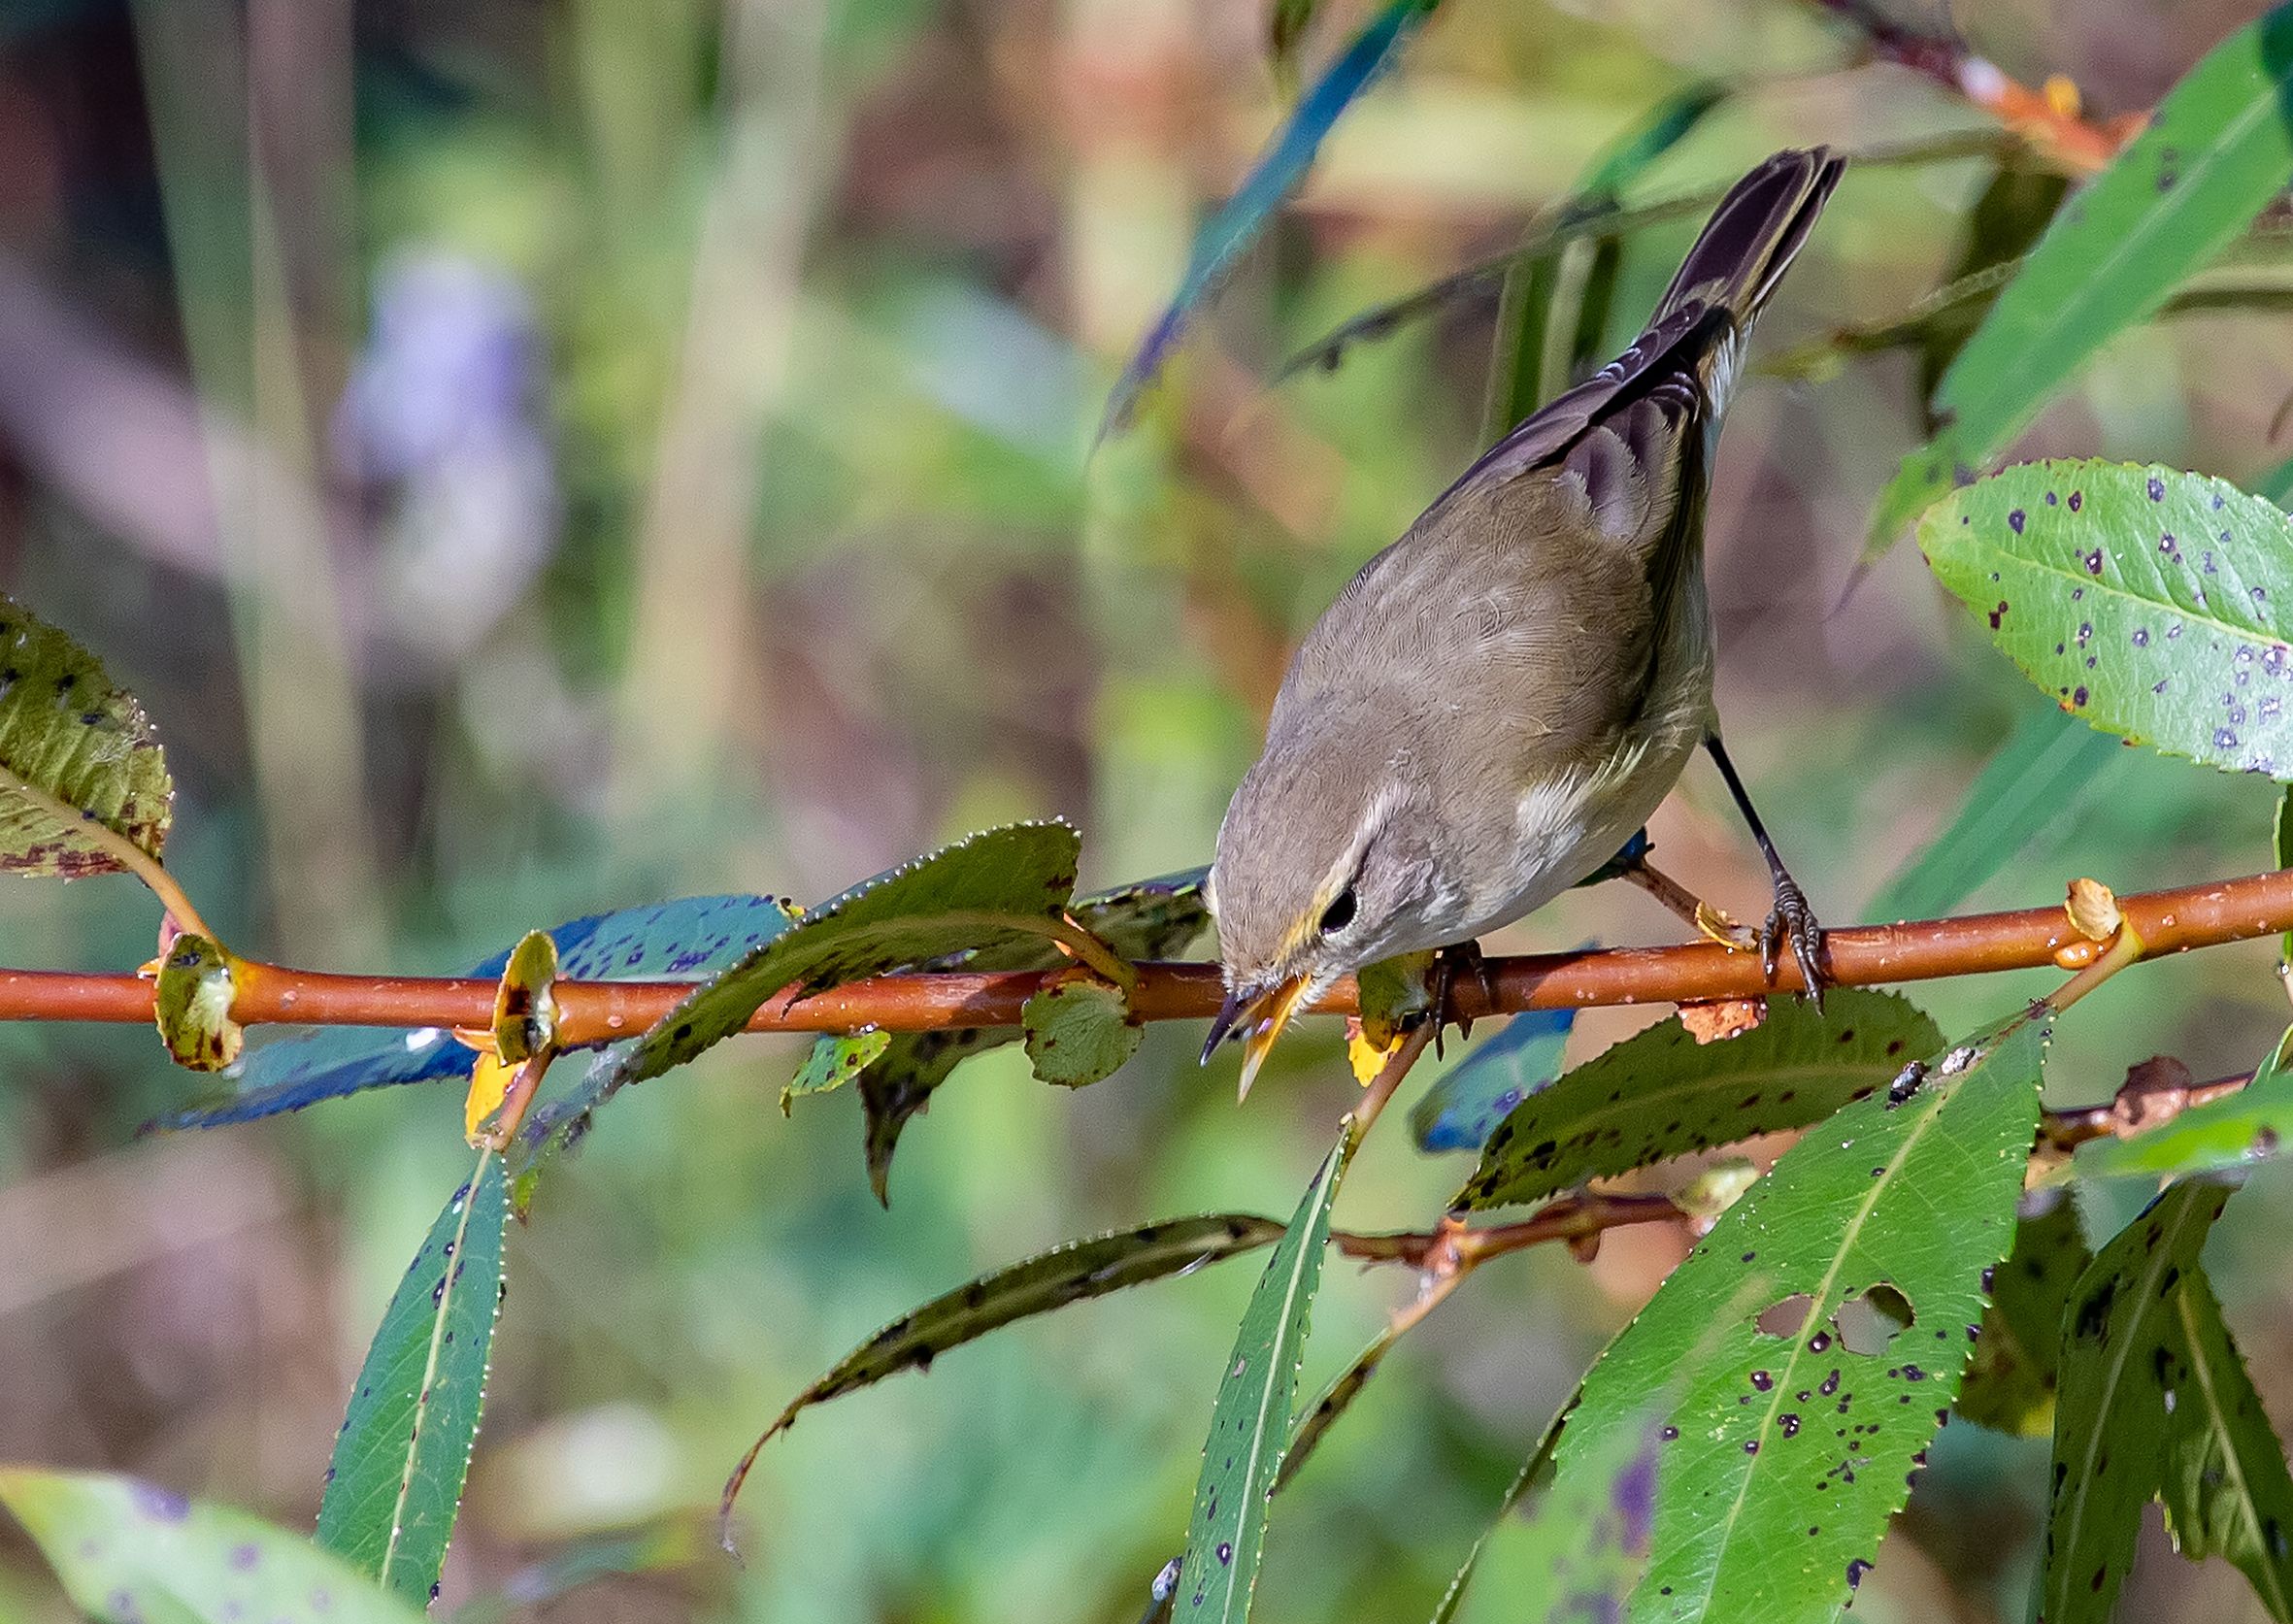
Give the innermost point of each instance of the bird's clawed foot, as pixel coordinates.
(1793, 921)
(1449, 966)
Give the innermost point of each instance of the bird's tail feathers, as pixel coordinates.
(1754, 235)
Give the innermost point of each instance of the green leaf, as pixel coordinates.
(1467, 1101)
(981, 890)
(1079, 1029)
(2110, 1417)
(2217, 149)
(2153, 605)
(2281, 844)
(1251, 1421)
(2225, 1486)
(1535, 1473)
(833, 1061)
(1074, 1273)
(396, 1478)
(2006, 220)
(1804, 1397)
(191, 1003)
(80, 769)
(525, 1006)
(2252, 1125)
(1660, 1094)
(2276, 484)
(129, 1552)
(2010, 1379)
(1584, 1545)
(2028, 782)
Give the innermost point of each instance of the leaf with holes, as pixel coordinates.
(2009, 1383)
(2030, 781)
(129, 1552)
(1074, 1273)
(2154, 605)
(2251, 1125)
(1814, 1338)
(1079, 1028)
(2110, 1419)
(1469, 1100)
(2224, 1483)
(658, 941)
(1251, 1421)
(1661, 1094)
(1238, 222)
(191, 1003)
(396, 1478)
(80, 769)
(2217, 150)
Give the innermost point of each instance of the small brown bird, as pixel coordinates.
(1497, 702)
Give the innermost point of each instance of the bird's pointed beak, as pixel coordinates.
(1260, 1015)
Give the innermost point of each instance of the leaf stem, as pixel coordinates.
(118, 847)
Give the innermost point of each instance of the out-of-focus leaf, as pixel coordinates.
(399, 1461)
(81, 767)
(1660, 1094)
(2251, 1125)
(2110, 1425)
(2224, 1485)
(1581, 1550)
(2010, 1377)
(2154, 605)
(2029, 780)
(524, 1006)
(1149, 919)
(658, 941)
(1250, 1422)
(1074, 1273)
(1799, 1412)
(1078, 1029)
(663, 1548)
(832, 1062)
(191, 1003)
(1535, 1473)
(1496, 1074)
(129, 1552)
(981, 890)
(2006, 220)
(1287, 22)
(1277, 173)
(2282, 846)
(2217, 149)
(2276, 484)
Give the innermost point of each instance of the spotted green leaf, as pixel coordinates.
(525, 1003)
(2225, 1486)
(129, 1552)
(1580, 1550)
(2252, 1125)
(2030, 781)
(2217, 149)
(1660, 1094)
(2154, 605)
(191, 1003)
(2118, 1351)
(80, 769)
(1251, 1421)
(2010, 1377)
(832, 1063)
(1804, 1399)
(395, 1481)
(1074, 1273)
(1467, 1101)
(984, 889)
(1078, 1029)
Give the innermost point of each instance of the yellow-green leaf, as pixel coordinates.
(80, 769)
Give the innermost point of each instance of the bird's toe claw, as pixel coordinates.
(1794, 922)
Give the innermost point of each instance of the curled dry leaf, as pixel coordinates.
(192, 1004)
(525, 1005)
(1710, 1020)
(2093, 909)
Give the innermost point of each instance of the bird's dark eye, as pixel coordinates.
(1340, 914)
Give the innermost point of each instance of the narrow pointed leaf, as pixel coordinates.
(2152, 604)
(1805, 1399)
(2217, 149)
(2010, 1379)
(936, 904)
(2251, 1125)
(1250, 1422)
(658, 941)
(1660, 1094)
(1275, 174)
(2110, 1419)
(2030, 781)
(129, 1552)
(1497, 1074)
(2225, 1486)
(399, 1462)
(80, 769)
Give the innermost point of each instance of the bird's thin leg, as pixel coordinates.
(1792, 919)
(1632, 865)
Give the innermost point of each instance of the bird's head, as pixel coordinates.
(1323, 867)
